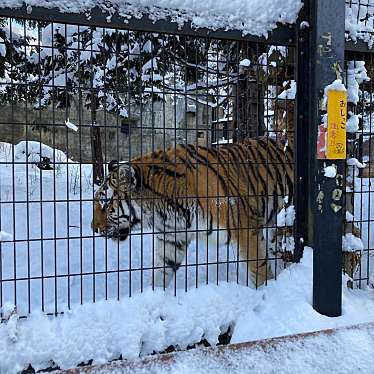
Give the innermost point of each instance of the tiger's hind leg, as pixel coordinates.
(170, 253)
(252, 249)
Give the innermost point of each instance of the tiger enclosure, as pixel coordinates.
(177, 175)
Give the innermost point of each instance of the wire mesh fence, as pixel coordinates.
(132, 160)
(359, 21)
(357, 242)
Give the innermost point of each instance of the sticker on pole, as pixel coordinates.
(336, 147)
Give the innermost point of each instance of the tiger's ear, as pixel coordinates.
(123, 177)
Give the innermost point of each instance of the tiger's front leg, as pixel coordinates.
(170, 253)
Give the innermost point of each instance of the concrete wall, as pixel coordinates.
(154, 126)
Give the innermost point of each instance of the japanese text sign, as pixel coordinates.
(336, 148)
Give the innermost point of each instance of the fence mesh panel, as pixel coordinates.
(202, 133)
(358, 242)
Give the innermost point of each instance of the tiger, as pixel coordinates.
(235, 188)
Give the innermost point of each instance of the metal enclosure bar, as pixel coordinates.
(303, 124)
(327, 59)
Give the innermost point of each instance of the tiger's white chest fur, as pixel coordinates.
(181, 224)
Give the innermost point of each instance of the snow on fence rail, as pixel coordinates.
(248, 16)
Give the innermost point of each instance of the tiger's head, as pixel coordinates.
(114, 212)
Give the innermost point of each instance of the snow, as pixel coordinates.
(359, 21)
(2, 47)
(245, 62)
(330, 171)
(31, 152)
(289, 93)
(353, 123)
(356, 75)
(336, 85)
(352, 243)
(349, 216)
(354, 162)
(286, 216)
(4, 236)
(223, 141)
(71, 125)
(247, 16)
(353, 182)
(304, 25)
(341, 351)
(155, 320)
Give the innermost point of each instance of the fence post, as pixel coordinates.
(326, 211)
(302, 128)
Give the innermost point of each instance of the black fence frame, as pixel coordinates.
(314, 70)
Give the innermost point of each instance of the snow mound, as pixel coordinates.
(32, 152)
(340, 351)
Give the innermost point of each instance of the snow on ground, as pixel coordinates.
(155, 320)
(341, 351)
(249, 16)
(148, 321)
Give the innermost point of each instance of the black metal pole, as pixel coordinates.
(326, 194)
(303, 124)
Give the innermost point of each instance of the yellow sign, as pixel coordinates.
(337, 125)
